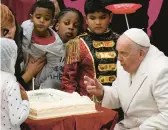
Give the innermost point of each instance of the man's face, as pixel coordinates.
(98, 22)
(128, 54)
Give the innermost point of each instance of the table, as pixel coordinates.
(104, 120)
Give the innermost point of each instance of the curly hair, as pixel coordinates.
(66, 10)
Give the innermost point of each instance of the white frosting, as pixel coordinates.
(48, 103)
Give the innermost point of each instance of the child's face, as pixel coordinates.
(42, 18)
(98, 22)
(67, 26)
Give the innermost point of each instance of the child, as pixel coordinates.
(14, 100)
(39, 39)
(12, 30)
(69, 24)
(93, 53)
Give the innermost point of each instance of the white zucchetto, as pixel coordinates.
(138, 36)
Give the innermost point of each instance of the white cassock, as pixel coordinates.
(145, 101)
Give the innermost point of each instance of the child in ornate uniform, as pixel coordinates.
(93, 53)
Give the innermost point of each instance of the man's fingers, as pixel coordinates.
(91, 89)
(86, 83)
(88, 80)
(97, 83)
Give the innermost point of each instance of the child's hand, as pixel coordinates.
(33, 68)
(23, 93)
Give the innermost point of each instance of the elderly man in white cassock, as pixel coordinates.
(141, 87)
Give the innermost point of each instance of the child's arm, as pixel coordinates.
(69, 77)
(70, 74)
(18, 108)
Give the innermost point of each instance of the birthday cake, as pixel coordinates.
(51, 103)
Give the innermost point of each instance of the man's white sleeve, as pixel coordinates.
(111, 98)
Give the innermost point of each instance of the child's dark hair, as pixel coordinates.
(61, 4)
(92, 6)
(44, 4)
(66, 10)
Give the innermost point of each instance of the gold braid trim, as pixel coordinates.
(73, 50)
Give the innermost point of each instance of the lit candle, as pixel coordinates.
(33, 83)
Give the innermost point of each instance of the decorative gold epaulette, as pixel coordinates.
(72, 51)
